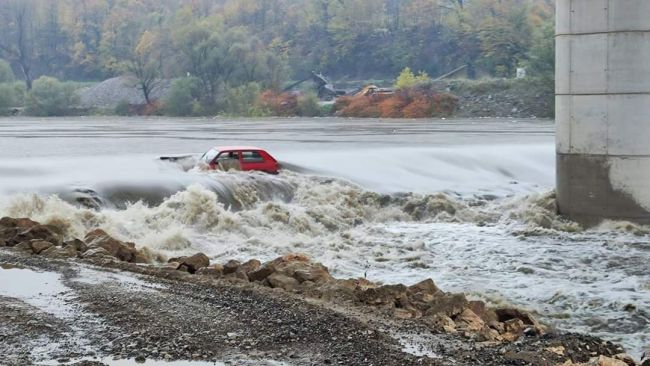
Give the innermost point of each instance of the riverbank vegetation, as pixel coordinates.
(235, 57)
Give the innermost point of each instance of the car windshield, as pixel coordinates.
(209, 156)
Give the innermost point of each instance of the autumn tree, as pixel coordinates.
(145, 64)
(17, 43)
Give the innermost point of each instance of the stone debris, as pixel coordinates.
(423, 303)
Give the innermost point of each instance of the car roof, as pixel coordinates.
(236, 148)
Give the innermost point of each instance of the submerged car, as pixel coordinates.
(244, 158)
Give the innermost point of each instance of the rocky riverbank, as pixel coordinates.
(289, 310)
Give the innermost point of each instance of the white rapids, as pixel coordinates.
(467, 203)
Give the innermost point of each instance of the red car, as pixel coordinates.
(245, 158)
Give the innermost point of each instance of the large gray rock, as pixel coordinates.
(98, 238)
(278, 280)
(194, 263)
(39, 245)
(122, 89)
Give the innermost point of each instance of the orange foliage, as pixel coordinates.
(409, 103)
(280, 104)
(362, 107)
(418, 108)
(392, 107)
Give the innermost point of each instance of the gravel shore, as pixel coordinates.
(108, 310)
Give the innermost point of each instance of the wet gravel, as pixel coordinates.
(121, 312)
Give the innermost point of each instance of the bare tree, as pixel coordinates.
(17, 44)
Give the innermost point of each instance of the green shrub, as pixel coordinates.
(50, 97)
(308, 105)
(6, 74)
(182, 99)
(407, 79)
(123, 108)
(11, 95)
(241, 101)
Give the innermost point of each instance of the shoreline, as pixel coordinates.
(376, 318)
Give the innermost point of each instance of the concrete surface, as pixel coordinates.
(603, 109)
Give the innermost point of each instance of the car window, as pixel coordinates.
(209, 156)
(230, 155)
(252, 157)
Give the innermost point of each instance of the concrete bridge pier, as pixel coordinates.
(603, 109)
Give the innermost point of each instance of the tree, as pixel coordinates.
(17, 42)
(407, 79)
(542, 53)
(144, 64)
(50, 97)
(6, 74)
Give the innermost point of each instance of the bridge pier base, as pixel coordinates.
(603, 109)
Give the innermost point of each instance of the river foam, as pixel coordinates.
(512, 249)
(468, 203)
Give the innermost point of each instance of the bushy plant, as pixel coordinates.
(11, 95)
(444, 105)
(182, 99)
(6, 74)
(123, 108)
(278, 104)
(406, 103)
(308, 105)
(241, 101)
(50, 97)
(407, 79)
(392, 107)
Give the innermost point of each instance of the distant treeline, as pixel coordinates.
(218, 45)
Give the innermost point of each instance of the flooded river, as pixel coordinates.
(466, 202)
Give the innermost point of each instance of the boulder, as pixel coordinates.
(261, 273)
(20, 223)
(24, 246)
(231, 266)
(401, 313)
(382, 295)
(505, 314)
(97, 253)
(487, 335)
(313, 272)
(215, 270)
(251, 265)
(43, 232)
(278, 280)
(448, 304)
(440, 322)
(39, 245)
(498, 326)
(469, 321)
(98, 238)
(629, 360)
(60, 252)
(194, 262)
(77, 244)
(604, 361)
(513, 329)
(427, 286)
(483, 311)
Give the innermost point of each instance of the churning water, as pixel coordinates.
(468, 203)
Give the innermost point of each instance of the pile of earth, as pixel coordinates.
(424, 304)
(119, 90)
(520, 98)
